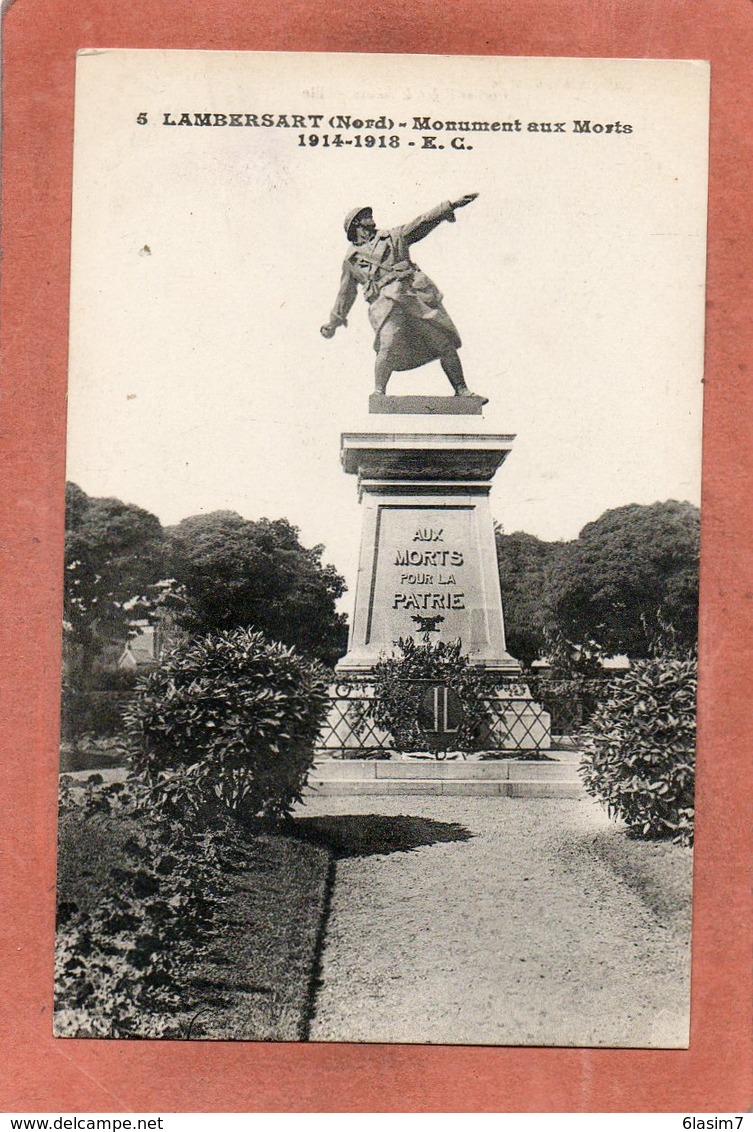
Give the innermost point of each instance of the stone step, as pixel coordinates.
(520, 788)
(493, 770)
(511, 778)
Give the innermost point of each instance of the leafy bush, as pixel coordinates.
(639, 756)
(228, 721)
(137, 904)
(169, 930)
(400, 685)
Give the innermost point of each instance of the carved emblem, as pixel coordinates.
(428, 624)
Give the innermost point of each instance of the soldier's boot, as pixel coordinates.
(461, 389)
(454, 371)
(381, 376)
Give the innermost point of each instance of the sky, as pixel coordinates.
(205, 259)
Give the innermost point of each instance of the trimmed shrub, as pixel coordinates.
(400, 686)
(640, 749)
(228, 722)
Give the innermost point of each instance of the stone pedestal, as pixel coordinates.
(427, 405)
(428, 562)
(428, 570)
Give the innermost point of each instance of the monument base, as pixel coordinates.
(428, 572)
(495, 778)
(469, 406)
(428, 562)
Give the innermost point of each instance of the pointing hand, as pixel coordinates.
(464, 200)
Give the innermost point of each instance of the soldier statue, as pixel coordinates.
(410, 323)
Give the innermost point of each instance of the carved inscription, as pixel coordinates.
(408, 597)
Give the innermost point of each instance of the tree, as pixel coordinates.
(113, 554)
(236, 573)
(524, 562)
(630, 579)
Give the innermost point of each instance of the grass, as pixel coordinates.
(257, 980)
(241, 952)
(92, 754)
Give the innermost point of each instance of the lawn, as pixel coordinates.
(211, 935)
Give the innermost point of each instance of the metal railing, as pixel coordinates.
(511, 721)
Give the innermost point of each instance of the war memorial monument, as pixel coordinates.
(428, 565)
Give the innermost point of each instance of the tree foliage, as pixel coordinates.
(237, 573)
(114, 555)
(628, 579)
(524, 562)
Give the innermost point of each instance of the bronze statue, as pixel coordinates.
(405, 308)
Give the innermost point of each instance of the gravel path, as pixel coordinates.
(492, 921)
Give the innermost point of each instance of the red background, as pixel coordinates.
(41, 39)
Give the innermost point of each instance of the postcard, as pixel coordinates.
(382, 526)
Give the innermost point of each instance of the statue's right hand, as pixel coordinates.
(327, 331)
(461, 202)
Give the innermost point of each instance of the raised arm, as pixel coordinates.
(428, 221)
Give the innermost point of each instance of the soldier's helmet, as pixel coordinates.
(353, 216)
